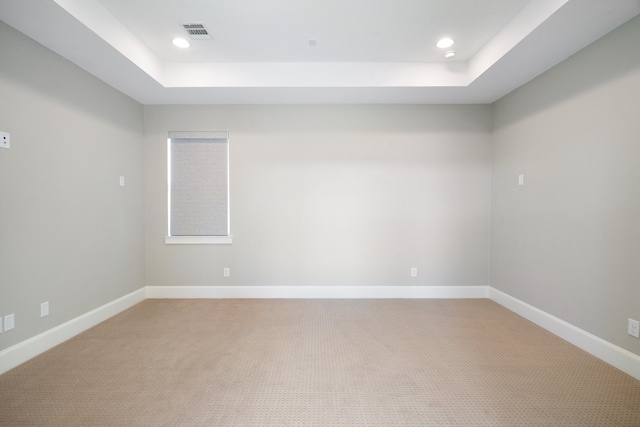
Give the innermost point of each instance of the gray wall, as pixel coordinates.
(333, 195)
(69, 234)
(330, 195)
(568, 241)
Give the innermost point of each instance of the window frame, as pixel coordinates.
(197, 240)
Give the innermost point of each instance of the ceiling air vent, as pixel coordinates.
(197, 31)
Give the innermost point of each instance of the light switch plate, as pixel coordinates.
(5, 140)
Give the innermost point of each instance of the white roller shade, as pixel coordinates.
(199, 184)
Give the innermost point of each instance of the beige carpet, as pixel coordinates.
(317, 363)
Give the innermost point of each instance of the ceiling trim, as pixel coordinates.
(86, 33)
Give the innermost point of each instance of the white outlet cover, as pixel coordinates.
(9, 322)
(44, 309)
(226, 272)
(634, 328)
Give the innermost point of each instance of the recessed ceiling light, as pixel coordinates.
(444, 43)
(180, 42)
(450, 54)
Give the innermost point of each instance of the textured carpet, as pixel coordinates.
(317, 363)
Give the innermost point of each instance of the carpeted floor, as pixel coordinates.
(317, 363)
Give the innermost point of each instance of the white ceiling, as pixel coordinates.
(366, 51)
(345, 30)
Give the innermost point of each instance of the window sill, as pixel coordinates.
(197, 240)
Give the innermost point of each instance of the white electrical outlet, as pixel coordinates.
(414, 272)
(122, 181)
(226, 272)
(5, 140)
(44, 309)
(520, 179)
(0, 325)
(633, 328)
(9, 322)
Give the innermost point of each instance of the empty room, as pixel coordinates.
(295, 212)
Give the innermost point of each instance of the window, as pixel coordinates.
(198, 177)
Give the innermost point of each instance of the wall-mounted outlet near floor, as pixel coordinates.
(9, 322)
(414, 272)
(5, 140)
(633, 328)
(44, 309)
(226, 272)
(0, 325)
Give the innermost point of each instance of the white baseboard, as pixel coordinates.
(27, 349)
(618, 357)
(317, 291)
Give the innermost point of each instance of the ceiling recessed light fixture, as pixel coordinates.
(450, 54)
(444, 43)
(180, 42)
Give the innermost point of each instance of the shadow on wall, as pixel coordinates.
(34, 68)
(619, 57)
